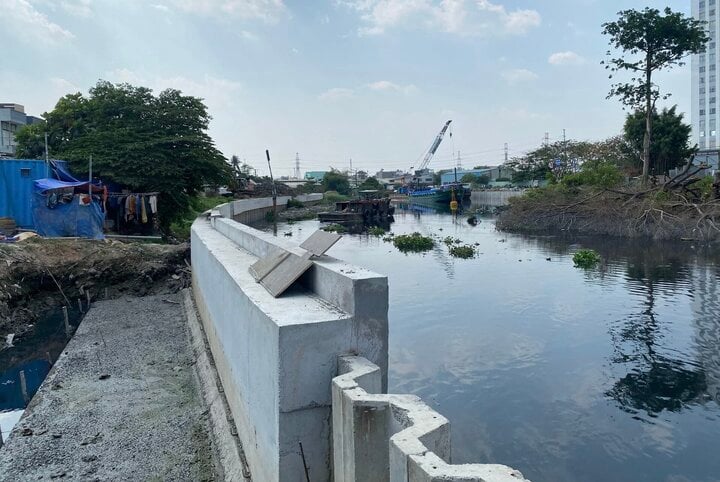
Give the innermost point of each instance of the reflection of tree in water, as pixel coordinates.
(655, 381)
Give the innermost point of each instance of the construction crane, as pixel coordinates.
(434, 146)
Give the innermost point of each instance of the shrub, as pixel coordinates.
(413, 243)
(600, 174)
(294, 203)
(586, 258)
(332, 197)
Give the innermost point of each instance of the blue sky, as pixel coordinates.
(371, 80)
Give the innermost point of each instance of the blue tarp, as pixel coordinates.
(62, 171)
(42, 185)
(67, 219)
(16, 189)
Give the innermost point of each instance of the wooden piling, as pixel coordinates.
(80, 305)
(23, 386)
(67, 321)
(87, 295)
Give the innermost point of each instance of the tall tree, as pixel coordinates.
(650, 41)
(145, 142)
(336, 181)
(671, 138)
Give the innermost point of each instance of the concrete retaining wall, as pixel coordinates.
(395, 438)
(276, 358)
(252, 210)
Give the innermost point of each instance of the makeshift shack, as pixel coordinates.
(16, 190)
(68, 209)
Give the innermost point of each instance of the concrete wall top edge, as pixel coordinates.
(295, 308)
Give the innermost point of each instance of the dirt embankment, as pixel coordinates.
(657, 214)
(41, 274)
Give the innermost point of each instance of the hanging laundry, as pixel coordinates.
(143, 210)
(153, 204)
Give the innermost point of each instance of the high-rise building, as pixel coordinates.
(12, 118)
(705, 114)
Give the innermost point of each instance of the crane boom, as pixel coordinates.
(434, 146)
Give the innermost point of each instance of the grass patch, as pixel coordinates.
(332, 197)
(413, 243)
(586, 259)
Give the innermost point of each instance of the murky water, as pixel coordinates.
(32, 355)
(564, 374)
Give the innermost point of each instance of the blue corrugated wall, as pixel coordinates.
(16, 189)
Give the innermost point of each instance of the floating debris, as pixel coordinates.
(413, 243)
(586, 258)
(463, 252)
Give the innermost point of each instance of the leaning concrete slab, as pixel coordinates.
(121, 403)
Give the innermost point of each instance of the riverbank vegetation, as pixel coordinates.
(643, 183)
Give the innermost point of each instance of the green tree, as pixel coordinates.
(370, 183)
(651, 41)
(30, 141)
(336, 181)
(671, 138)
(146, 142)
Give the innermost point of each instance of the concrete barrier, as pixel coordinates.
(276, 358)
(395, 438)
(252, 210)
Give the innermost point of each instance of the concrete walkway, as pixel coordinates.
(121, 403)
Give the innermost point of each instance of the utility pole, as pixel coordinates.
(47, 158)
(546, 139)
(506, 152)
(274, 192)
(297, 165)
(459, 161)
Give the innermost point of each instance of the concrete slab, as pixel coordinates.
(285, 274)
(320, 241)
(262, 267)
(121, 403)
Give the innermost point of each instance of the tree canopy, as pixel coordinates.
(371, 183)
(650, 42)
(671, 138)
(139, 140)
(336, 181)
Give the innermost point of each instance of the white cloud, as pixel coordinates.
(63, 86)
(22, 18)
(78, 8)
(462, 17)
(336, 93)
(218, 93)
(269, 11)
(387, 86)
(517, 76)
(161, 7)
(566, 58)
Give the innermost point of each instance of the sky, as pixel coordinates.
(367, 80)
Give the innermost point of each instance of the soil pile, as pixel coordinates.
(39, 274)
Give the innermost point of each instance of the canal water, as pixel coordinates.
(31, 355)
(565, 374)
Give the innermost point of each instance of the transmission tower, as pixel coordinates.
(297, 165)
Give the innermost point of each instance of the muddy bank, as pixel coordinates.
(41, 274)
(658, 215)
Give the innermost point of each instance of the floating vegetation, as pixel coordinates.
(413, 243)
(450, 240)
(334, 228)
(463, 252)
(376, 231)
(586, 258)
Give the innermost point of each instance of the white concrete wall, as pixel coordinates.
(395, 438)
(276, 357)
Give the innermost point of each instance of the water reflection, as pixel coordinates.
(568, 375)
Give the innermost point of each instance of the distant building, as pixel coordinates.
(704, 71)
(12, 118)
(316, 176)
(493, 174)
